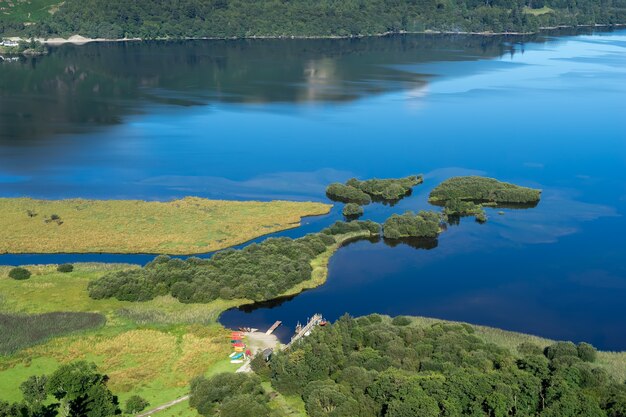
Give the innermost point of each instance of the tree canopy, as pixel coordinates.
(150, 19)
(375, 367)
(481, 189)
(425, 224)
(257, 272)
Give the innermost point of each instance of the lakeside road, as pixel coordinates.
(82, 40)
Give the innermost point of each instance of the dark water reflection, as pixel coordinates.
(282, 119)
(78, 88)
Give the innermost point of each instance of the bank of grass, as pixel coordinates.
(188, 226)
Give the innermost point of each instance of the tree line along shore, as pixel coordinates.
(147, 19)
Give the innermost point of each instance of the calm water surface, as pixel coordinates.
(281, 119)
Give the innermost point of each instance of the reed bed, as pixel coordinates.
(20, 331)
(187, 226)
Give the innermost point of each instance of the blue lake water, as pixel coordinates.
(282, 119)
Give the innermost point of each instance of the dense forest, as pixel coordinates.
(378, 367)
(257, 272)
(150, 19)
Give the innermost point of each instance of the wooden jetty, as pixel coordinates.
(274, 326)
(304, 331)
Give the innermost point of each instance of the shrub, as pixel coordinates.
(135, 404)
(560, 349)
(527, 348)
(19, 273)
(65, 268)
(586, 352)
(425, 224)
(229, 394)
(347, 194)
(352, 210)
(401, 321)
(387, 189)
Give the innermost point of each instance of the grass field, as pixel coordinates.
(27, 10)
(188, 226)
(538, 12)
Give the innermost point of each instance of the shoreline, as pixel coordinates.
(82, 40)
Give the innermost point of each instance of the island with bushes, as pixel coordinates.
(379, 190)
(188, 226)
(425, 224)
(467, 196)
(352, 211)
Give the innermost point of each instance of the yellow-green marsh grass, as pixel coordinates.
(188, 226)
(154, 357)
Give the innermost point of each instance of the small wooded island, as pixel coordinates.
(378, 190)
(467, 196)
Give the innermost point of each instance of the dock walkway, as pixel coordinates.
(315, 320)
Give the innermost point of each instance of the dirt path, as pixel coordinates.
(163, 407)
(256, 342)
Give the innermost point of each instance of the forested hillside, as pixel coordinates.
(151, 19)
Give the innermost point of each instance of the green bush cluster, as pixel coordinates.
(363, 192)
(19, 273)
(229, 395)
(583, 351)
(387, 189)
(74, 389)
(352, 210)
(425, 224)
(347, 194)
(257, 272)
(482, 189)
(367, 367)
(65, 268)
(149, 19)
(135, 404)
(460, 208)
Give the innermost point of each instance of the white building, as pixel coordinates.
(8, 43)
